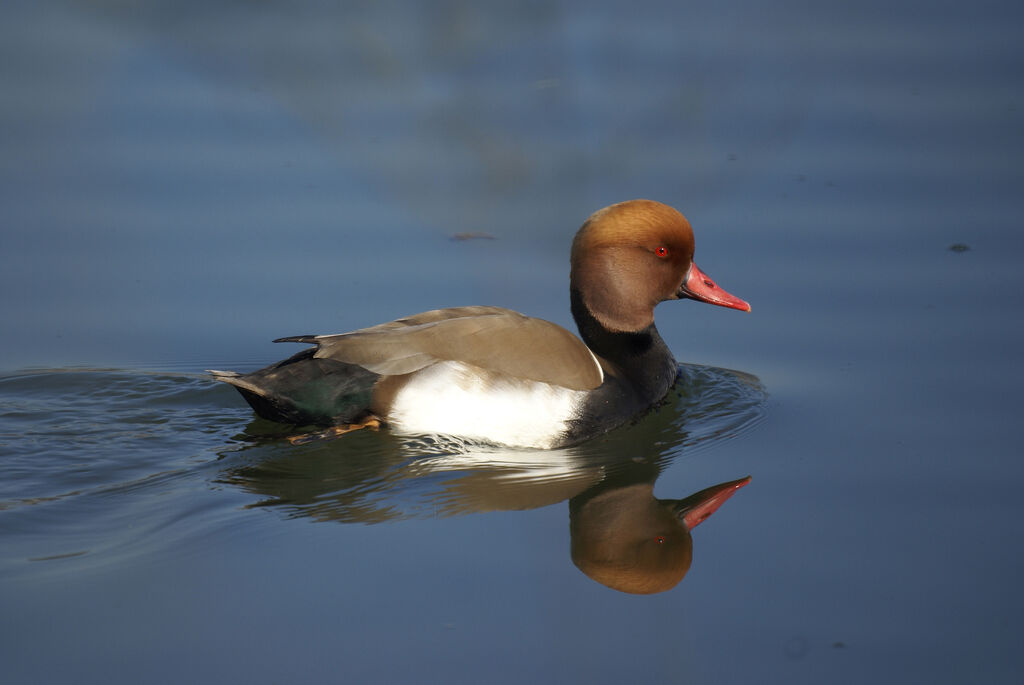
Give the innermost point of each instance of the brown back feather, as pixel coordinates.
(492, 338)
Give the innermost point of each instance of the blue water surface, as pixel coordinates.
(181, 183)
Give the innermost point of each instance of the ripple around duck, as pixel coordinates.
(64, 432)
(101, 433)
(372, 477)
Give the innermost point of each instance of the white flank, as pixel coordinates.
(452, 398)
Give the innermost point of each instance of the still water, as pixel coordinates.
(184, 182)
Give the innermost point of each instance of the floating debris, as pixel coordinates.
(472, 236)
(959, 247)
(54, 557)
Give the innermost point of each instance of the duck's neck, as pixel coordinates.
(640, 359)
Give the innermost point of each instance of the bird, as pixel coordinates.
(492, 375)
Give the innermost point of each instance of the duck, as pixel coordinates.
(492, 375)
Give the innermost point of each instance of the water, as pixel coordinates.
(182, 183)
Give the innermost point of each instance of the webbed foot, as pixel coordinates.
(372, 422)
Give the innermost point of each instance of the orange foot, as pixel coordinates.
(371, 422)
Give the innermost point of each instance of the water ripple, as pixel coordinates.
(109, 462)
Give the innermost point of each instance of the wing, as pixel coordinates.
(493, 338)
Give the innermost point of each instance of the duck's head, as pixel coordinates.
(630, 256)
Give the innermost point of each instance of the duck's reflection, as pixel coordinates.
(625, 538)
(621, 535)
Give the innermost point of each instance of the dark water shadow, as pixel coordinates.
(618, 527)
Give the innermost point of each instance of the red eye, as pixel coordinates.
(661, 251)
(660, 539)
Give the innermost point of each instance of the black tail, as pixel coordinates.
(304, 390)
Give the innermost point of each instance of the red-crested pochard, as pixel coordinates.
(497, 376)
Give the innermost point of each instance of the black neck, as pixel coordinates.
(640, 359)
